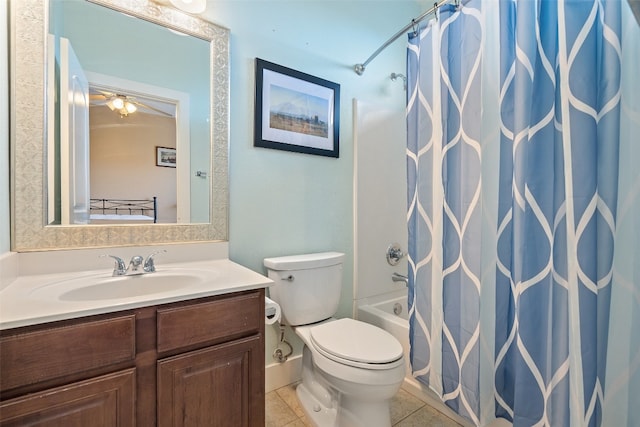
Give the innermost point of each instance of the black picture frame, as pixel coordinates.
(166, 157)
(295, 111)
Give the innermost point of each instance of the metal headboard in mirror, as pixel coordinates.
(28, 65)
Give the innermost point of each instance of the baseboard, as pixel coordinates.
(281, 374)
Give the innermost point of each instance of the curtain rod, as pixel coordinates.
(359, 68)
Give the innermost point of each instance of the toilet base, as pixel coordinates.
(317, 413)
(357, 413)
(349, 413)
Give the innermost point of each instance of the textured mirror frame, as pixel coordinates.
(29, 232)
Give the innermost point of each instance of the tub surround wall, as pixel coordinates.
(380, 187)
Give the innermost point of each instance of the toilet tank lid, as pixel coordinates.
(303, 262)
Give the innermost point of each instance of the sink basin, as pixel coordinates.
(103, 287)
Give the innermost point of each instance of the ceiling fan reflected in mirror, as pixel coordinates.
(124, 104)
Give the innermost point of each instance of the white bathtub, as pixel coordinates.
(379, 311)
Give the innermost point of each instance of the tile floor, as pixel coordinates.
(283, 410)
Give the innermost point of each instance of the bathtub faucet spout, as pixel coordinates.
(397, 277)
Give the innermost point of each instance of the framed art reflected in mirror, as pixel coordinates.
(166, 157)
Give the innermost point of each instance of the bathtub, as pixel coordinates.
(390, 312)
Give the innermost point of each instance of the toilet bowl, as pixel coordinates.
(351, 381)
(350, 369)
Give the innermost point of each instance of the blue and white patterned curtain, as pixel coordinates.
(512, 205)
(560, 109)
(444, 170)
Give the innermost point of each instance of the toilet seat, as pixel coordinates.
(355, 343)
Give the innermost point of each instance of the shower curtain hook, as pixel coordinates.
(435, 11)
(414, 26)
(456, 4)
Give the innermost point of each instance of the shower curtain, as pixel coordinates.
(517, 112)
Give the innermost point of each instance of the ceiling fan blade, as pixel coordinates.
(149, 107)
(97, 100)
(105, 93)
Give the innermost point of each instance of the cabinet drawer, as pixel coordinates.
(42, 355)
(209, 322)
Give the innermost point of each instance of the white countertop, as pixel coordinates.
(26, 301)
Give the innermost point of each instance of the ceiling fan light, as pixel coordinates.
(131, 108)
(190, 6)
(118, 103)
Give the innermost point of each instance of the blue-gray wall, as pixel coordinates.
(287, 203)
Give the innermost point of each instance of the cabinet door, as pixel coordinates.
(218, 386)
(104, 401)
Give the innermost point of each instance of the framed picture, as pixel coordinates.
(295, 111)
(166, 157)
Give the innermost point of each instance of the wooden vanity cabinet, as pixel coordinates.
(194, 363)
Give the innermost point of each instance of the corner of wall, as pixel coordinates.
(4, 134)
(8, 268)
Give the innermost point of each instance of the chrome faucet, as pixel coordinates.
(137, 265)
(397, 277)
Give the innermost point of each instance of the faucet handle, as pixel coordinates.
(149, 264)
(119, 268)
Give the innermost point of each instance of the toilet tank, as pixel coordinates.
(307, 287)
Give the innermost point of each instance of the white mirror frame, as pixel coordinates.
(29, 28)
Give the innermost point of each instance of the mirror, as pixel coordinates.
(37, 198)
(141, 103)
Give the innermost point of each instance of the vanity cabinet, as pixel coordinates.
(193, 363)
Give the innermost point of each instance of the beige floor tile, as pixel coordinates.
(283, 410)
(296, 423)
(277, 413)
(306, 422)
(420, 418)
(441, 420)
(288, 394)
(427, 416)
(403, 404)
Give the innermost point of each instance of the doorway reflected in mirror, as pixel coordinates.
(137, 100)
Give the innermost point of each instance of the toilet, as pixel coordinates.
(350, 369)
